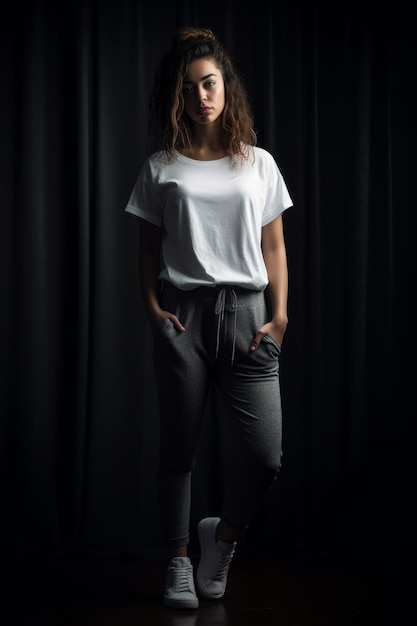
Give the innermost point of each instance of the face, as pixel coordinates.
(203, 92)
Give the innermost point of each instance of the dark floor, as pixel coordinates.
(260, 592)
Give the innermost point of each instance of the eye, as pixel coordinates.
(187, 90)
(209, 84)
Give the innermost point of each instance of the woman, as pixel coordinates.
(213, 274)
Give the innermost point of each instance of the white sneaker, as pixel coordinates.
(179, 585)
(214, 561)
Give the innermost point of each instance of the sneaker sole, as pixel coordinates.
(201, 533)
(180, 604)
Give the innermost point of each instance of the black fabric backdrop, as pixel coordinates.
(331, 88)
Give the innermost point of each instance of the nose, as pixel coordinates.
(202, 94)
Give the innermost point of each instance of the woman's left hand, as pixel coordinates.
(275, 329)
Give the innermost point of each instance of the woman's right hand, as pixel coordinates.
(157, 319)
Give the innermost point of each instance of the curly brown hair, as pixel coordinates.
(170, 128)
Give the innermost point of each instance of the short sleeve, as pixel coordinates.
(277, 197)
(144, 201)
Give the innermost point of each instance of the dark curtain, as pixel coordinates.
(331, 88)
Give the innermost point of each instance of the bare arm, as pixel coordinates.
(275, 256)
(149, 269)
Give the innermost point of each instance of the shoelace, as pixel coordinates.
(222, 564)
(183, 579)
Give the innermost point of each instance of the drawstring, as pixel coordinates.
(219, 310)
(234, 306)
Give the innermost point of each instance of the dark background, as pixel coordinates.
(332, 88)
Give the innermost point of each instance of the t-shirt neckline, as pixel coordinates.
(182, 157)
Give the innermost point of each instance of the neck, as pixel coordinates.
(205, 145)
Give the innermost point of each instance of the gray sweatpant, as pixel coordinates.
(220, 325)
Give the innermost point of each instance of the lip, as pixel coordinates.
(204, 110)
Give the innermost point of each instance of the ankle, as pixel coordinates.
(225, 534)
(182, 551)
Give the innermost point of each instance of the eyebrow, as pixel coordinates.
(186, 82)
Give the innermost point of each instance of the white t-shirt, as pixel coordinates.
(212, 216)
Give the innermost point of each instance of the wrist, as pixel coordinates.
(280, 320)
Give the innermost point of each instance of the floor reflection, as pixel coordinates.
(209, 613)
